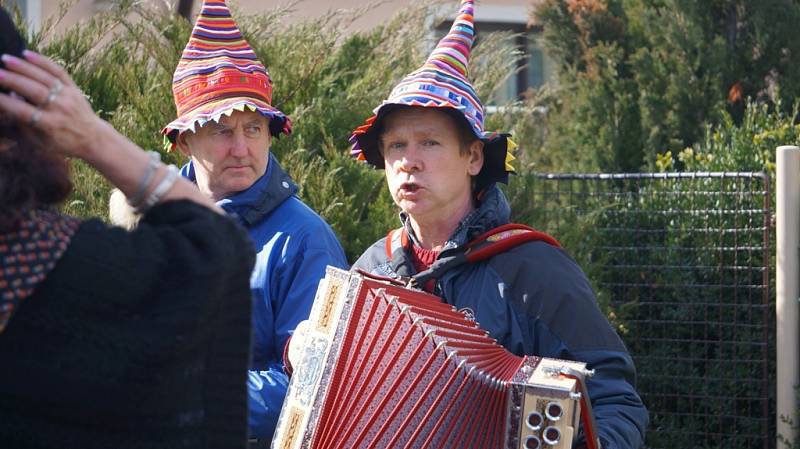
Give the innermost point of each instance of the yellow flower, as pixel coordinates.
(686, 155)
(664, 161)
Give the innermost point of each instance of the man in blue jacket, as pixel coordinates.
(225, 125)
(442, 169)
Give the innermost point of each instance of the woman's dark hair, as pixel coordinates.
(31, 176)
(11, 41)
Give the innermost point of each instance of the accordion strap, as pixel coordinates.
(396, 239)
(485, 246)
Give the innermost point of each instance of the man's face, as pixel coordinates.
(228, 156)
(429, 176)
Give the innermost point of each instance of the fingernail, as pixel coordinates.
(28, 54)
(8, 59)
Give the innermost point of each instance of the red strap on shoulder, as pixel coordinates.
(496, 241)
(396, 238)
(389, 244)
(503, 238)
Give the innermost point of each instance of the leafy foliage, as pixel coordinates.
(730, 147)
(638, 78)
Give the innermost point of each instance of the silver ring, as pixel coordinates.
(50, 97)
(37, 115)
(54, 91)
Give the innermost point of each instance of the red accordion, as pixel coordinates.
(382, 366)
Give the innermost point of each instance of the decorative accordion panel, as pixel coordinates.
(381, 366)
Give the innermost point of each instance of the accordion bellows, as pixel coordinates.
(382, 366)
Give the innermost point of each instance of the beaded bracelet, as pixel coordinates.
(152, 165)
(161, 189)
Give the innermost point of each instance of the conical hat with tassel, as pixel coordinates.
(219, 73)
(442, 82)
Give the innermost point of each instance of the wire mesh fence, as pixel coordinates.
(681, 261)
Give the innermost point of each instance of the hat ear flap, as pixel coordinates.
(496, 151)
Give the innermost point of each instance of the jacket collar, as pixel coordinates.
(493, 211)
(258, 200)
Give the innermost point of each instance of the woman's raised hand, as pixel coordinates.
(48, 102)
(45, 101)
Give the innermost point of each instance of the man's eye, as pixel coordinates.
(430, 143)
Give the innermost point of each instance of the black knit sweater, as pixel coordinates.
(135, 339)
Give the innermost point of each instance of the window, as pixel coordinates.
(31, 11)
(535, 68)
(539, 69)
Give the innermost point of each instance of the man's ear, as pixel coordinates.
(183, 144)
(475, 157)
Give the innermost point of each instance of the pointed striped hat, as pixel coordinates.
(219, 73)
(442, 83)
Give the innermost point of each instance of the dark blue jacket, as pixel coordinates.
(535, 300)
(293, 246)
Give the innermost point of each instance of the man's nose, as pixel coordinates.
(239, 144)
(410, 161)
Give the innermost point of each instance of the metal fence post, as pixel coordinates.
(787, 289)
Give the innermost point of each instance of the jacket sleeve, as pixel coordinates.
(564, 321)
(619, 413)
(294, 284)
(266, 390)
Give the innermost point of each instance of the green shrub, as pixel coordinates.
(637, 77)
(749, 146)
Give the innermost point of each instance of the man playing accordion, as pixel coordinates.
(441, 169)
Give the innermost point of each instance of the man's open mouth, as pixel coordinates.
(409, 187)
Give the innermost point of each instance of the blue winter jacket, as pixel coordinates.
(534, 300)
(293, 246)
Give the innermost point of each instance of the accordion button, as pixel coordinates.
(553, 411)
(534, 420)
(532, 442)
(552, 435)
